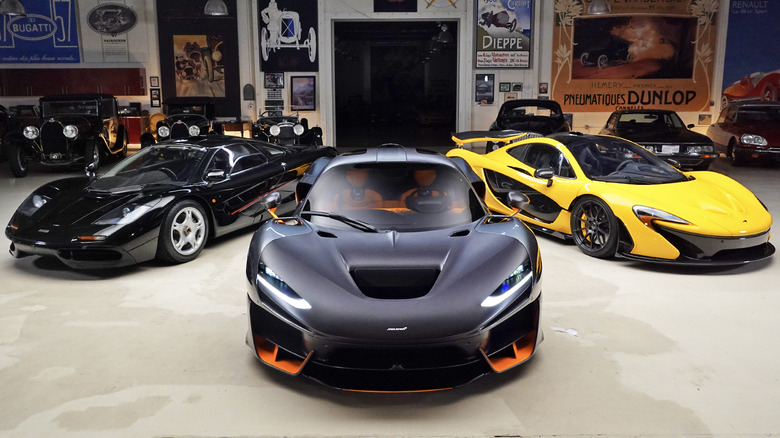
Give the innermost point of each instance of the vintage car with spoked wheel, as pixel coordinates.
(74, 129)
(616, 198)
(164, 202)
(276, 128)
(181, 119)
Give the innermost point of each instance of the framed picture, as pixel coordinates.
(510, 96)
(154, 97)
(504, 86)
(290, 24)
(543, 88)
(303, 93)
(517, 87)
(154, 81)
(485, 84)
(274, 81)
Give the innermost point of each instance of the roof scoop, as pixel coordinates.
(395, 283)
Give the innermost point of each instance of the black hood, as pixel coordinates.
(341, 274)
(680, 135)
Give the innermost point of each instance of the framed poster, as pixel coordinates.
(288, 35)
(114, 31)
(504, 87)
(502, 34)
(483, 91)
(47, 34)
(273, 81)
(303, 93)
(199, 56)
(154, 97)
(154, 81)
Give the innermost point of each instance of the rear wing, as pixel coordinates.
(506, 136)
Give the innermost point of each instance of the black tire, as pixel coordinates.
(92, 154)
(602, 61)
(122, 136)
(735, 159)
(594, 227)
(17, 160)
(183, 233)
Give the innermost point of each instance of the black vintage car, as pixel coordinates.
(663, 133)
(73, 129)
(182, 120)
(613, 51)
(163, 202)
(538, 116)
(13, 120)
(286, 130)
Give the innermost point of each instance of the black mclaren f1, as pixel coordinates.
(163, 202)
(391, 276)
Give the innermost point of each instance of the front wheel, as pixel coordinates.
(183, 233)
(735, 158)
(92, 154)
(17, 160)
(594, 227)
(311, 43)
(264, 49)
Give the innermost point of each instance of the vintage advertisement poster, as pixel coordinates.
(113, 31)
(615, 54)
(752, 65)
(288, 35)
(47, 34)
(503, 33)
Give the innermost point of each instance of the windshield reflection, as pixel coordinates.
(174, 164)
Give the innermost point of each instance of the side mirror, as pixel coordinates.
(215, 175)
(517, 199)
(545, 173)
(673, 163)
(271, 200)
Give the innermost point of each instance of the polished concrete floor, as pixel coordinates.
(631, 350)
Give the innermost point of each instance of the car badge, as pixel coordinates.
(51, 120)
(396, 329)
(43, 230)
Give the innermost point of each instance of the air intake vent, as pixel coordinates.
(395, 283)
(326, 234)
(461, 233)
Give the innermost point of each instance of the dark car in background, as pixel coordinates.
(614, 51)
(13, 120)
(165, 201)
(663, 133)
(748, 132)
(274, 127)
(73, 129)
(182, 120)
(539, 116)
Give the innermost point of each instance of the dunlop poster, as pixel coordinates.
(619, 54)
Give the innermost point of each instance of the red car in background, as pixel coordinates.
(758, 86)
(748, 131)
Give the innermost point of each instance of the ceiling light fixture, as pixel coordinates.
(215, 8)
(12, 8)
(599, 7)
(444, 37)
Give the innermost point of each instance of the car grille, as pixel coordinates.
(53, 141)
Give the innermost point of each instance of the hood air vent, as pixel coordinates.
(395, 283)
(461, 233)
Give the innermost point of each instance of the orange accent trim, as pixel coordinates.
(273, 213)
(267, 351)
(398, 392)
(521, 349)
(260, 197)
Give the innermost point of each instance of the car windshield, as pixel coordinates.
(393, 196)
(527, 111)
(759, 114)
(649, 122)
(615, 160)
(164, 164)
(67, 107)
(189, 109)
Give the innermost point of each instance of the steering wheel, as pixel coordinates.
(168, 172)
(427, 201)
(623, 165)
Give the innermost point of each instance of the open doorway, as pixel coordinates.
(395, 82)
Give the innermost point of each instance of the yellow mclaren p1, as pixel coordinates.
(615, 198)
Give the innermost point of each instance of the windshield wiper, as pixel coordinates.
(354, 223)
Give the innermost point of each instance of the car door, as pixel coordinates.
(248, 176)
(718, 132)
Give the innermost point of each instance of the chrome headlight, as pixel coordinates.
(516, 282)
(33, 203)
(275, 130)
(648, 214)
(70, 131)
(31, 132)
(700, 149)
(164, 131)
(753, 139)
(298, 129)
(272, 283)
(126, 214)
(194, 131)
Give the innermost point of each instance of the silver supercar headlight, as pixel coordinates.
(515, 283)
(70, 131)
(272, 283)
(127, 213)
(31, 132)
(33, 203)
(648, 214)
(164, 131)
(753, 139)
